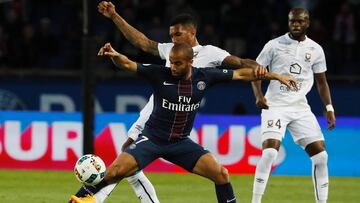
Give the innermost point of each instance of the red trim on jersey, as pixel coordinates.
(180, 119)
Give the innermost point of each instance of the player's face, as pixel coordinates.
(298, 23)
(183, 34)
(180, 64)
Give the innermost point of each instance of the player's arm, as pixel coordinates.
(118, 59)
(249, 75)
(259, 96)
(237, 63)
(264, 58)
(324, 92)
(260, 71)
(134, 36)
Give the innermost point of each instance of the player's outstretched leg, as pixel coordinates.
(320, 175)
(104, 193)
(123, 166)
(87, 192)
(263, 168)
(209, 168)
(143, 188)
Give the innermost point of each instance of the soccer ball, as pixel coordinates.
(90, 169)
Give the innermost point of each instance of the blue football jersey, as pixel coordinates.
(177, 101)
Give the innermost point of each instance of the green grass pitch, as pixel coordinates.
(18, 186)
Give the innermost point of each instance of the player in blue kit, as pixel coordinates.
(182, 29)
(178, 91)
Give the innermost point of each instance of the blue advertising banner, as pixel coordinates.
(342, 147)
(54, 141)
(126, 96)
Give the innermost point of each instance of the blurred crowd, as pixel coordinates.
(47, 34)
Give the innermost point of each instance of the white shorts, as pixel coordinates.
(303, 126)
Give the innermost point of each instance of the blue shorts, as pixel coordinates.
(184, 152)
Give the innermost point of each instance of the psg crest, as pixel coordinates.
(201, 85)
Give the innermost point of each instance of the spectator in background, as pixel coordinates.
(344, 33)
(150, 9)
(157, 31)
(175, 7)
(209, 35)
(267, 24)
(274, 10)
(13, 29)
(47, 43)
(28, 57)
(13, 22)
(3, 47)
(318, 32)
(308, 4)
(236, 28)
(70, 47)
(274, 29)
(235, 13)
(130, 12)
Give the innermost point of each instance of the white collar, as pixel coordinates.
(196, 47)
(287, 37)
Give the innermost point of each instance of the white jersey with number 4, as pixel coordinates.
(301, 60)
(204, 56)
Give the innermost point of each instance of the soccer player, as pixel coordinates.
(182, 30)
(297, 55)
(178, 91)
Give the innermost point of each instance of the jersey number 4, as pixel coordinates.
(270, 123)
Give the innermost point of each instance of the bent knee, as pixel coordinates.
(115, 174)
(270, 153)
(320, 158)
(222, 176)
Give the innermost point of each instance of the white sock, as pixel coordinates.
(263, 169)
(104, 193)
(256, 198)
(320, 176)
(143, 188)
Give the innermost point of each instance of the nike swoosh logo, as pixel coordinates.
(166, 83)
(231, 200)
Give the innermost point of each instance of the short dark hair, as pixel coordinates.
(185, 19)
(185, 48)
(300, 10)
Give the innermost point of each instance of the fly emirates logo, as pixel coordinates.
(182, 105)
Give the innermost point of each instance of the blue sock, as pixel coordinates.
(90, 190)
(225, 193)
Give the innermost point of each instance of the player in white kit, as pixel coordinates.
(297, 55)
(182, 30)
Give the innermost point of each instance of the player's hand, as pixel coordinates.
(107, 50)
(331, 121)
(127, 143)
(261, 103)
(107, 9)
(289, 81)
(260, 72)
